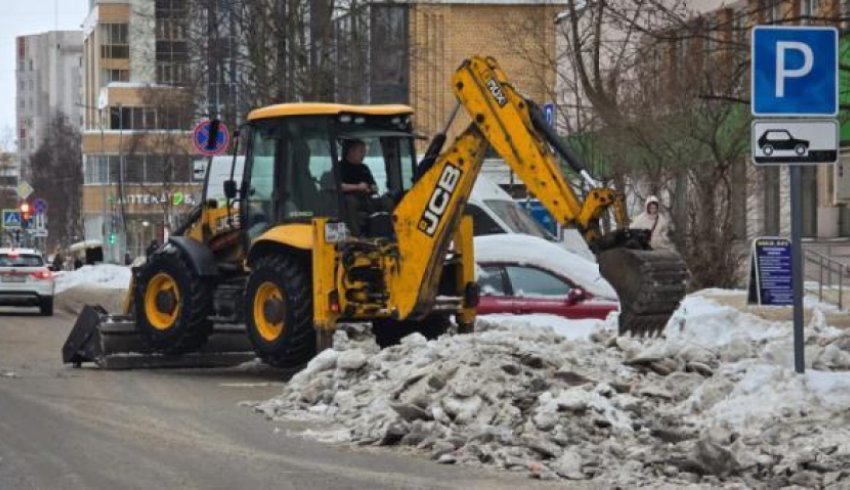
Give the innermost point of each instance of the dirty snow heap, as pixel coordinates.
(715, 403)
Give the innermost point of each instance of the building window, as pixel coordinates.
(171, 47)
(116, 76)
(171, 73)
(171, 28)
(142, 118)
(114, 41)
(170, 8)
(845, 14)
(808, 10)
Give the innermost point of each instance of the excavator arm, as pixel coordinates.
(650, 283)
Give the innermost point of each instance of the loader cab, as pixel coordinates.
(291, 166)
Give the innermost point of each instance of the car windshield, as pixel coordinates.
(516, 218)
(24, 260)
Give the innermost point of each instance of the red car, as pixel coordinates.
(522, 288)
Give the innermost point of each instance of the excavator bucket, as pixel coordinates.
(649, 283)
(112, 342)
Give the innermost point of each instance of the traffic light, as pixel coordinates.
(112, 238)
(26, 213)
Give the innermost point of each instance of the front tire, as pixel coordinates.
(279, 311)
(767, 150)
(173, 304)
(800, 150)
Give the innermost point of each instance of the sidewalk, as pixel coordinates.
(738, 300)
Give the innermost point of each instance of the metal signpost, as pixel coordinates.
(794, 73)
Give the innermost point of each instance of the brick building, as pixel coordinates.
(407, 52)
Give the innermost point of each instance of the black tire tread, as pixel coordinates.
(300, 346)
(195, 311)
(46, 306)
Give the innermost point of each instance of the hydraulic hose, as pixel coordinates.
(573, 159)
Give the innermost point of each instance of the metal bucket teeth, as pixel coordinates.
(650, 285)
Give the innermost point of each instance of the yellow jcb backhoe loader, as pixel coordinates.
(272, 250)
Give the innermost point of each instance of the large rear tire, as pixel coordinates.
(279, 311)
(173, 304)
(390, 332)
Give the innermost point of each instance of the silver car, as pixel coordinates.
(25, 279)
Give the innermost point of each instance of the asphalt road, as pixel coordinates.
(62, 427)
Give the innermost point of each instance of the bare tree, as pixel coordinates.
(58, 179)
(655, 91)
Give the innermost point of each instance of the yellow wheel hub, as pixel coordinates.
(162, 301)
(269, 311)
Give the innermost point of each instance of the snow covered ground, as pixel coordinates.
(101, 275)
(715, 403)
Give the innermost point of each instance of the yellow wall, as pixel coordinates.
(443, 35)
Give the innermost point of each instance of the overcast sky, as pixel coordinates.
(19, 17)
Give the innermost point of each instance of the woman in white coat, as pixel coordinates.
(658, 224)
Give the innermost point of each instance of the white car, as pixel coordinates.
(25, 279)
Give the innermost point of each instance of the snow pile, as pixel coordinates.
(715, 403)
(102, 275)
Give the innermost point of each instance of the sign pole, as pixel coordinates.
(797, 265)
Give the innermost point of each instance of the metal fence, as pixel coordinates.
(830, 276)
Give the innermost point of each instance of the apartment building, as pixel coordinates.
(137, 123)
(48, 81)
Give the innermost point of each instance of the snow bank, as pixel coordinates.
(529, 250)
(715, 403)
(563, 327)
(101, 275)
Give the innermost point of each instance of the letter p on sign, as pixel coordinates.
(794, 71)
(782, 70)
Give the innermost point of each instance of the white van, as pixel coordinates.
(494, 212)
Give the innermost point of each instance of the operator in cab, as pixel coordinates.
(358, 186)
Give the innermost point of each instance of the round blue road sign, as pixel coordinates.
(201, 138)
(40, 206)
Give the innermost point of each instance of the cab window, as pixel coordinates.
(482, 223)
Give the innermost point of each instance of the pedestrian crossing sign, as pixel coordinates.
(11, 219)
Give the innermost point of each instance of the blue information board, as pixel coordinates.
(540, 214)
(770, 272)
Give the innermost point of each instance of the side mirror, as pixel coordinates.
(230, 189)
(576, 295)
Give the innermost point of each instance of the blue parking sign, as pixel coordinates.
(794, 71)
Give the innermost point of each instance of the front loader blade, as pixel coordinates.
(649, 283)
(112, 342)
